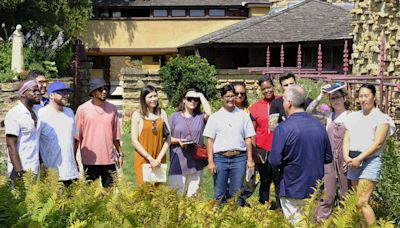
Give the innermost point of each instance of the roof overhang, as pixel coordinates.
(130, 51)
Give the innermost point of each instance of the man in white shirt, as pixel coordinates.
(229, 133)
(22, 132)
(57, 134)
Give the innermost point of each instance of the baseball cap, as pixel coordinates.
(57, 85)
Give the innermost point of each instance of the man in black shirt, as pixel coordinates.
(285, 80)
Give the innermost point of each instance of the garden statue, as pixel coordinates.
(17, 60)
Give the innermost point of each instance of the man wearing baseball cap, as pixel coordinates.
(99, 132)
(22, 132)
(57, 134)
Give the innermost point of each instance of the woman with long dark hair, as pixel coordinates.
(364, 140)
(187, 126)
(147, 132)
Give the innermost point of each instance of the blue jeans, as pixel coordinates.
(232, 168)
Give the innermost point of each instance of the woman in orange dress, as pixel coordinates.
(147, 132)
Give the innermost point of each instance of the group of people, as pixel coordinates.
(277, 137)
(41, 129)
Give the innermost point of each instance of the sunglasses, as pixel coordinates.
(153, 126)
(104, 88)
(63, 92)
(335, 98)
(241, 94)
(190, 99)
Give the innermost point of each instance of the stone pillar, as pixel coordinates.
(133, 80)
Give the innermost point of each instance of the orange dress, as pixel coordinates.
(152, 142)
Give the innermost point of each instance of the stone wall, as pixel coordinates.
(373, 20)
(135, 79)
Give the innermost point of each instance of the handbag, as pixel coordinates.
(200, 150)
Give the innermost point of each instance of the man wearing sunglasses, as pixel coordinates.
(57, 134)
(99, 132)
(40, 78)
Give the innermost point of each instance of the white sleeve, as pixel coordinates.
(11, 124)
(249, 128)
(210, 129)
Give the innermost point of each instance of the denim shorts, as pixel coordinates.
(370, 170)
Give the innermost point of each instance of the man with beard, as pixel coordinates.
(98, 132)
(57, 134)
(40, 78)
(23, 131)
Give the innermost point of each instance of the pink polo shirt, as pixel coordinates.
(97, 128)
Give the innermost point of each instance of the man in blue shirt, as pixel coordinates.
(300, 149)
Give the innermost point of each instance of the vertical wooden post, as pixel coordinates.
(319, 60)
(345, 58)
(299, 59)
(268, 57)
(382, 71)
(282, 57)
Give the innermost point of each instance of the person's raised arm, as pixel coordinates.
(206, 105)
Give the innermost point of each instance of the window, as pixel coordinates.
(178, 12)
(216, 12)
(116, 14)
(160, 13)
(197, 13)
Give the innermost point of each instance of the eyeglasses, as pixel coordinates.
(41, 82)
(104, 88)
(335, 98)
(241, 94)
(190, 99)
(229, 97)
(62, 92)
(285, 85)
(154, 126)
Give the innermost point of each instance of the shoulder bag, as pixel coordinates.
(200, 150)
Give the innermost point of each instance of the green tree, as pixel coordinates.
(70, 16)
(182, 73)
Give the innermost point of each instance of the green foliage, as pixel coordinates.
(47, 203)
(387, 196)
(54, 15)
(5, 62)
(182, 73)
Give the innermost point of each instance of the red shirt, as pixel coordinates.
(259, 112)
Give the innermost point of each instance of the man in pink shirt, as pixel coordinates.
(99, 132)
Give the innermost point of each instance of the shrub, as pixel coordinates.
(387, 195)
(182, 73)
(47, 203)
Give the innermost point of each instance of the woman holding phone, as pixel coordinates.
(187, 126)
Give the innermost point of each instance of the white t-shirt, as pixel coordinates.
(57, 141)
(19, 122)
(362, 128)
(229, 130)
(339, 119)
